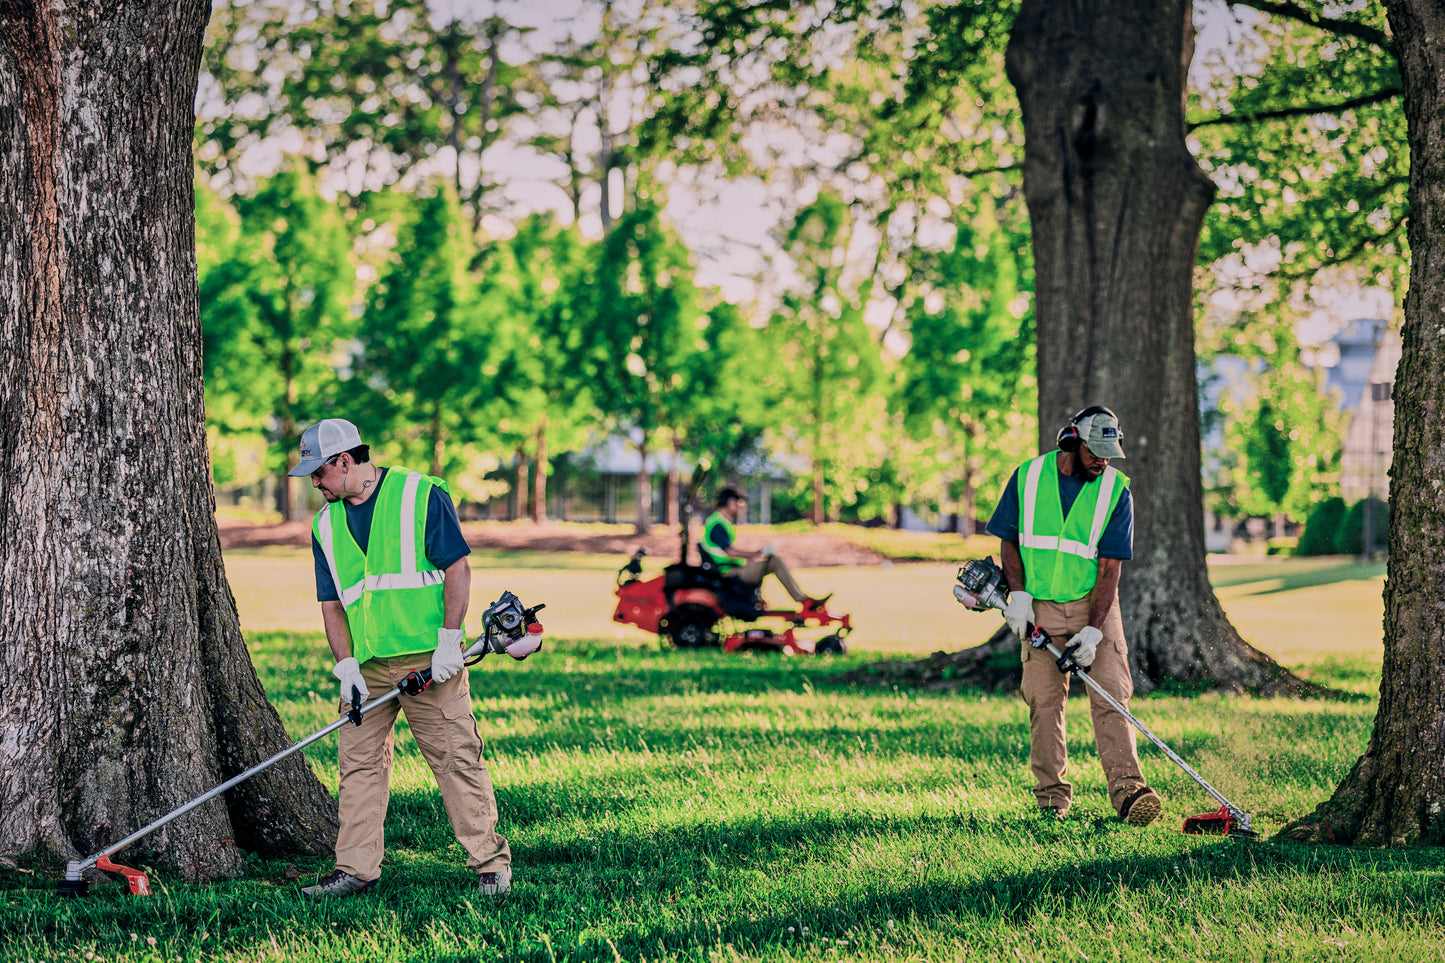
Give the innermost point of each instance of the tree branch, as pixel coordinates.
(1350, 252)
(1305, 110)
(1293, 11)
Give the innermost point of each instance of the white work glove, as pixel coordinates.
(447, 661)
(770, 550)
(348, 673)
(1019, 613)
(1088, 638)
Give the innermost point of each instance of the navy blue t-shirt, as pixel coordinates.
(444, 543)
(1117, 540)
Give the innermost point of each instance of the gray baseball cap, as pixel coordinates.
(1101, 432)
(322, 440)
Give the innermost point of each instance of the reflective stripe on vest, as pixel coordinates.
(1059, 553)
(392, 593)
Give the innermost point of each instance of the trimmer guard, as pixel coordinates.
(137, 882)
(1221, 823)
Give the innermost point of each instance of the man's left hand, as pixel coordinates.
(1088, 639)
(447, 660)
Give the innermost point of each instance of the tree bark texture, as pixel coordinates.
(125, 688)
(1394, 794)
(1116, 203)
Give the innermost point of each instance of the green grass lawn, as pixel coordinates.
(664, 805)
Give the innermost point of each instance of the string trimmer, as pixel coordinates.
(505, 626)
(981, 586)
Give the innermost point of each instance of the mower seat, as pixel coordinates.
(741, 600)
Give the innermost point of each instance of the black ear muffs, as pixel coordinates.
(1072, 435)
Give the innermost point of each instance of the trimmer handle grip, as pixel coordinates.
(354, 714)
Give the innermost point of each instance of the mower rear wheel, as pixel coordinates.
(690, 626)
(830, 645)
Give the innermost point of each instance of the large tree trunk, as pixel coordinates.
(137, 691)
(1116, 203)
(1395, 794)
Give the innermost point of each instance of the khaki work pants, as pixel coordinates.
(771, 565)
(441, 722)
(1046, 689)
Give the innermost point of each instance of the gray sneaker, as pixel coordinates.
(494, 884)
(336, 884)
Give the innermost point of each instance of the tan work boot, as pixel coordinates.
(495, 883)
(336, 884)
(1142, 808)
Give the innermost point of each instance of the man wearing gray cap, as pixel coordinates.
(1066, 523)
(393, 581)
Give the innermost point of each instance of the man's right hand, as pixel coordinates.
(1019, 613)
(348, 673)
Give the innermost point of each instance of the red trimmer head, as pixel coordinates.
(1221, 823)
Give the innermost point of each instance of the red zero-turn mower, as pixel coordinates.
(687, 603)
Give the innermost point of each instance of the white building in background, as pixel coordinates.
(1368, 352)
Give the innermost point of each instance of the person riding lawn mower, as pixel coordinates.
(686, 603)
(719, 548)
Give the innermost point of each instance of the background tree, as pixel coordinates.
(377, 89)
(826, 381)
(431, 340)
(643, 316)
(547, 397)
(236, 372)
(301, 295)
(1395, 794)
(968, 373)
(117, 609)
(1287, 440)
(721, 426)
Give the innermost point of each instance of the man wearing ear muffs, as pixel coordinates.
(1066, 522)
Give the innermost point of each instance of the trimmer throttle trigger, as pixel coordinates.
(415, 683)
(355, 714)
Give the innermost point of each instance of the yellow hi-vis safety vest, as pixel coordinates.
(716, 553)
(1061, 554)
(391, 592)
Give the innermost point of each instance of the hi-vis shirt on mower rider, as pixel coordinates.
(1063, 525)
(384, 560)
(718, 535)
